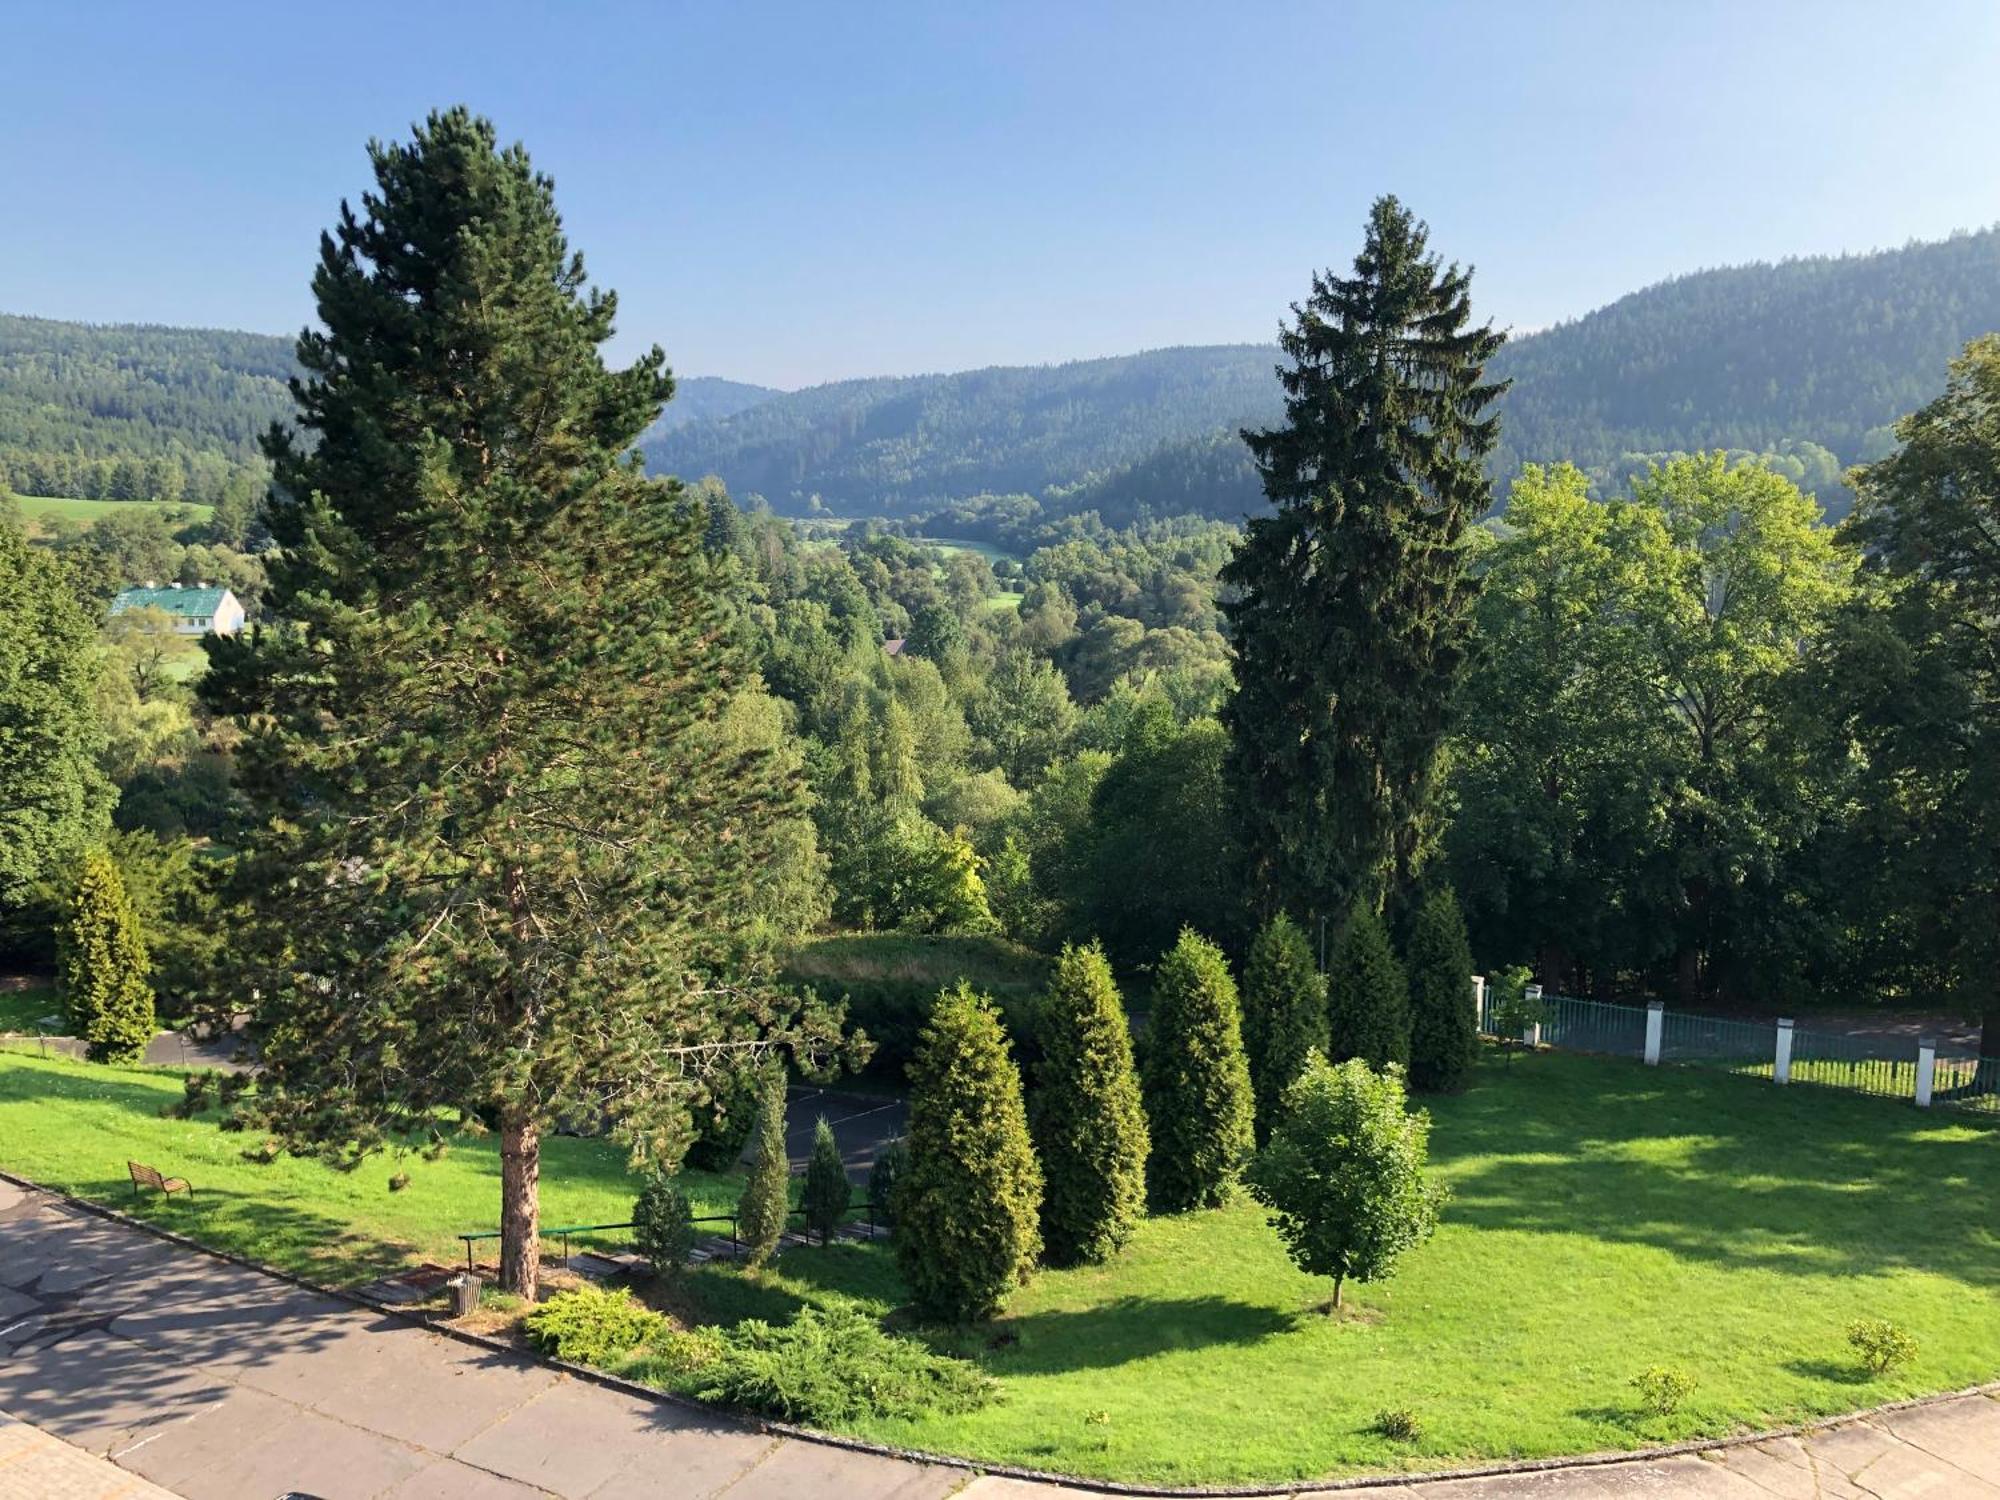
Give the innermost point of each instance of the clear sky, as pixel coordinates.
(790, 194)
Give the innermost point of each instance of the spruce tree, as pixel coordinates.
(826, 1194)
(1088, 1122)
(1197, 1084)
(102, 965)
(501, 865)
(1444, 1032)
(766, 1199)
(1367, 999)
(1350, 613)
(969, 1202)
(1284, 1014)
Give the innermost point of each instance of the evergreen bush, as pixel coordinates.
(827, 1194)
(968, 1207)
(1368, 1003)
(1444, 1032)
(1088, 1121)
(663, 1224)
(766, 1199)
(1197, 1084)
(891, 1162)
(102, 965)
(1284, 1014)
(591, 1326)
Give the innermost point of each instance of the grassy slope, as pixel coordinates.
(40, 507)
(72, 1126)
(26, 1003)
(1607, 1217)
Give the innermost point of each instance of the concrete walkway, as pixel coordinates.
(222, 1383)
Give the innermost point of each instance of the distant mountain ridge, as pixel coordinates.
(1822, 352)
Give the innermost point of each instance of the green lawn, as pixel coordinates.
(26, 1003)
(41, 507)
(988, 550)
(1606, 1217)
(72, 1126)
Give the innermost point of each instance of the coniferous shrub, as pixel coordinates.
(1367, 1002)
(102, 965)
(1197, 1084)
(1284, 1014)
(766, 1199)
(891, 1162)
(1444, 1032)
(1088, 1121)
(827, 1194)
(663, 1224)
(968, 1208)
(591, 1326)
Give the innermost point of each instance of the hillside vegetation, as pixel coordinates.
(1809, 360)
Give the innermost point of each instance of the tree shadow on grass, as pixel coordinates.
(1117, 1332)
(1720, 1169)
(1835, 1372)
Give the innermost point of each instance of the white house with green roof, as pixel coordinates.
(196, 609)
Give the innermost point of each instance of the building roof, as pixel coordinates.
(191, 603)
(893, 647)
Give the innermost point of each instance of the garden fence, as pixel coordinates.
(1778, 1050)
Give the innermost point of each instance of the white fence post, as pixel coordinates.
(1926, 1070)
(1781, 1069)
(1656, 1021)
(1478, 1001)
(1533, 1035)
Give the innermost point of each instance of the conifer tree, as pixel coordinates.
(103, 965)
(1367, 999)
(1198, 1099)
(826, 1194)
(1444, 1032)
(1351, 607)
(968, 1203)
(502, 866)
(766, 1199)
(1284, 1014)
(1088, 1122)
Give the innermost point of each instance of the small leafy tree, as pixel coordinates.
(1662, 1388)
(1198, 1098)
(1882, 1345)
(826, 1192)
(663, 1224)
(761, 1211)
(1444, 1033)
(1345, 1175)
(102, 965)
(969, 1204)
(1368, 1002)
(1515, 1009)
(1284, 1014)
(1089, 1124)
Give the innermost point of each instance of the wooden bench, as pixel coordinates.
(144, 1176)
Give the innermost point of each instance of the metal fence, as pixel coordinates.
(1778, 1051)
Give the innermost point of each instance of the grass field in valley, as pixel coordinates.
(39, 508)
(72, 1126)
(1606, 1217)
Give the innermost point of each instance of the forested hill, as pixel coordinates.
(1810, 359)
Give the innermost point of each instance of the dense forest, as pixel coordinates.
(1807, 361)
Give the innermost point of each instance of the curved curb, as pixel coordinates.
(750, 1422)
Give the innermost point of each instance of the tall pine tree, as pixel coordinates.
(1199, 1106)
(102, 965)
(1444, 1032)
(501, 868)
(1351, 610)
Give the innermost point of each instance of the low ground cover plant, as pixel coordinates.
(827, 1366)
(592, 1326)
(1662, 1389)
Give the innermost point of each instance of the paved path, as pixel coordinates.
(221, 1383)
(33, 1464)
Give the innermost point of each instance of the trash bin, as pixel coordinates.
(464, 1294)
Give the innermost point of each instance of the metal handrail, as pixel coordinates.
(564, 1231)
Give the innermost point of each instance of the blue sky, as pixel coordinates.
(790, 194)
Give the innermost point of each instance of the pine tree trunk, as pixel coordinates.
(520, 1205)
(1338, 1283)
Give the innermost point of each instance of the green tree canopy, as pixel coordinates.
(102, 965)
(1351, 613)
(1444, 1032)
(503, 863)
(1284, 1014)
(1199, 1106)
(1368, 1002)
